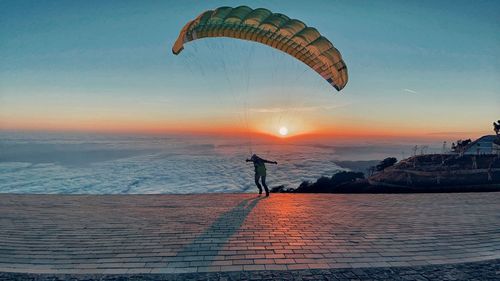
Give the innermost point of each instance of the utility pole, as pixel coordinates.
(415, 148)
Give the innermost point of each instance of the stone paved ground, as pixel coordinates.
(488, 270)
(169, 234)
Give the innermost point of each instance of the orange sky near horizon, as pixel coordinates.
(259, 128)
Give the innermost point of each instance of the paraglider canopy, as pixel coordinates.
(272, 29)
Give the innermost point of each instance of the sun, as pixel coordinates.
(283, 131)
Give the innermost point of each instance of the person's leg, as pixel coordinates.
(265, 185)
(257, 176)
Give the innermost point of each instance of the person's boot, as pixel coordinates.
(267, 193)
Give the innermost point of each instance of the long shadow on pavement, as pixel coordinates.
(213, 239)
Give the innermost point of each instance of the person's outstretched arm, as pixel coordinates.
(270, 162)
(248, 160)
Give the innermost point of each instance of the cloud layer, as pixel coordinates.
(156, 165)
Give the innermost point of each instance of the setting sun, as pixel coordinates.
(283, 131)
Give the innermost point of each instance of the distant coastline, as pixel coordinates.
(421, 173)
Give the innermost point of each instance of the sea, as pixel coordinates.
(78, 163)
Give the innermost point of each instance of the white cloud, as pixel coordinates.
(410, 91)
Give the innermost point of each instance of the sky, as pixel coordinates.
(426, 69)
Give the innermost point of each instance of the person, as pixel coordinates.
(260, 171)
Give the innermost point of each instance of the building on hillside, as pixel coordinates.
(496, 147)
(483, 145)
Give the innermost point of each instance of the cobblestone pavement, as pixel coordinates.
(168, 234)
(489, 270)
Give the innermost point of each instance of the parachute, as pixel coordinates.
(272, 29)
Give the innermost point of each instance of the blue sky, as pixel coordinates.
(426, 66)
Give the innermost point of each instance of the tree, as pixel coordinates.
(387, 162)
(460, 146)
(496, 127)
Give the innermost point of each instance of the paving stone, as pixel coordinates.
(169, 234)
(486, 270)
